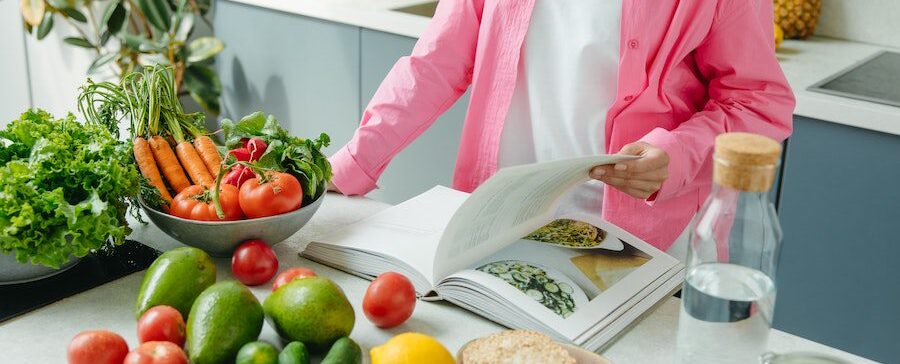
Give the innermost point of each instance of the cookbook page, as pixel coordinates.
(560, 276)
(509, 205)
(408, 232)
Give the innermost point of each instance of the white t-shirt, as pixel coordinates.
(566, 83)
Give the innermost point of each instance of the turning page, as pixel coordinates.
(509, 205)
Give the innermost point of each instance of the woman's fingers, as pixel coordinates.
(659, 174)
(634, 184)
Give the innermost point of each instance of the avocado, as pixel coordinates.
(224, 318)
(175, 279)
(294, 353)
(311, 310)
(344, 351)
(257, 352)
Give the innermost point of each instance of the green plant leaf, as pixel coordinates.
(33, 11)
(114, 17)
(102, 61)
(46, 26)
(204, 48)
(60, 4)
(157, 13)
(204, 87)
(78, 42)
(185, 27)
(75, 14)
(104, 38)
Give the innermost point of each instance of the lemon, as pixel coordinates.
(411, 348)
(779, 36)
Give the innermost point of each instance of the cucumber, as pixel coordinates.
(344, 351)
(294, 353)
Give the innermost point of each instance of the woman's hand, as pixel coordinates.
(640, 178)
(333, 188)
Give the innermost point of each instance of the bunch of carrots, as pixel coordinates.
(148, 99)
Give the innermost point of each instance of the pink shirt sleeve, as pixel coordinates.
(417, 90)
(747, 92)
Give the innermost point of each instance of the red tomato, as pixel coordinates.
(241, 154)
(290, 275)
(276, 194)
(389, 300)
(254, 262)
(244, 142)
(257, 148)
(157, 352)
(161, 323)
(238, 175)
(97, 347)
(195, 203)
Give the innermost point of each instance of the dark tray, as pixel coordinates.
(92, 271)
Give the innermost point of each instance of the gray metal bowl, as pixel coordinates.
(13, 272)
(220, 238)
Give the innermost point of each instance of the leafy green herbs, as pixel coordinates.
(63, 188)
(300, 157)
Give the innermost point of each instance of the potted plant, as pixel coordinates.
(128, 34)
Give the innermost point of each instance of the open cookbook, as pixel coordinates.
(506, 253)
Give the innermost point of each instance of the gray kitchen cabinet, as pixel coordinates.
(305, 71)
(429, 160)
(839, 273)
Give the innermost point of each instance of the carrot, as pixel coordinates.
(207, 150)
(144, 157)
(193, 164)
(167, 161)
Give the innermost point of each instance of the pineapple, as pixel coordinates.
(779, 36)
(798, 18)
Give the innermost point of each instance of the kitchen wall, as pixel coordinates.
(14, 96)
(867, 21)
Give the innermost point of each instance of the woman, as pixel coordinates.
(555, 79)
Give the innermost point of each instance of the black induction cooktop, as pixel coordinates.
(92, 271)
(874, 79)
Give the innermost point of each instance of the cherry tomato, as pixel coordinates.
(254, 262)
(290, 275)
(161, 323)
(195, 203)
(389, 300)
(238, 175)
(97, 347)
(257, 148)
(157, 352)
(241, 154)
(276, 194)
(244, 142)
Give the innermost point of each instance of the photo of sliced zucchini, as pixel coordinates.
(535, 282)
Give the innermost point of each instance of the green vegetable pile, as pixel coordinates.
(300, 157)
(64, 188)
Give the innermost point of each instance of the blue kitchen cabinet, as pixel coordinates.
(305, 71)
(427, 161)
(839, 273)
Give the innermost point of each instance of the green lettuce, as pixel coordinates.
(64, 188)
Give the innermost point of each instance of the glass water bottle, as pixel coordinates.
(729, 289)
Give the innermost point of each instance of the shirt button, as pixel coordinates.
(633, 43)
(629, 98)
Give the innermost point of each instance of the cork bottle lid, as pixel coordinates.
(746, 161)
(747, 149)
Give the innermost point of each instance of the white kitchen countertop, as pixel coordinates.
(43, 335)
(804, 62)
